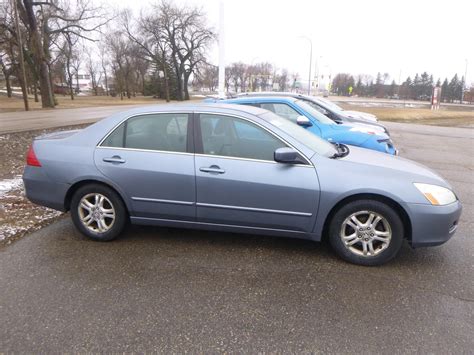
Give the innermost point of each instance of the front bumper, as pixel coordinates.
(433, 225)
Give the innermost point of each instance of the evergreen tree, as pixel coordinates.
(391, 90)
(359, 88)
(459, 94)
(417, 87)
(379, 85)
(407, 88)
(453, 88)
(445, 91)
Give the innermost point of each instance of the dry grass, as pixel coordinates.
(441, 117)
(16, 104)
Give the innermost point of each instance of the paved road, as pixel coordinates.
(31, 120)
(175, 290)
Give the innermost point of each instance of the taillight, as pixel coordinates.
(31, 158)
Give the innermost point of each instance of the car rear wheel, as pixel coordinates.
(366, 232)
(98, 212)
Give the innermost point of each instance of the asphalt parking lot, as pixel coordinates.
(173, 290)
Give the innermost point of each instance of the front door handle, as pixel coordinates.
(114, 159)
(213, 169)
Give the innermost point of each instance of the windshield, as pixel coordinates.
(329, 104)
(318, 145)
(314, 113)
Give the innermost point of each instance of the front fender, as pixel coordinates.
(328, 203)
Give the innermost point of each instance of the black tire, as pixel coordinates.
(384, 210)
(121, 215)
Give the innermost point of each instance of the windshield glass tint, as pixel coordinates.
(315, 113)
(313, 142)
(330, 105)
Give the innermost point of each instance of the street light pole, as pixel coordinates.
(310, 62)
(464, 85)
(221, 51)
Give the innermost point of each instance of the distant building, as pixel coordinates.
(82, 82)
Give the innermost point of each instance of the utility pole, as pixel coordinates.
(22, 61)
(221, 51)
(464, 84)
(310, 61)
(399, 82)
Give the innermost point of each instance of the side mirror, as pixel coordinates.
(303, 121)
(287, 155)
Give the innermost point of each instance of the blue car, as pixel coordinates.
(301, 113)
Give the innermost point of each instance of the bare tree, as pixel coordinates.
(237, 75)
(188, 37)
(71, 60)
(149, 35)
(93, 69)
(12, 47)
(141, 67)
(104, 66)
(282, 80)
(45, 20)
(7, 71)
(206, 77)
(121, 52)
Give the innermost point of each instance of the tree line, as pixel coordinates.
(160, 51)
(418, 88)
(46, 44)
(242, 77)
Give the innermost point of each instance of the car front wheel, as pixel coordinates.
(98, 212)
(366, 232)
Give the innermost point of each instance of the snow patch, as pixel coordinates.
(8, 185)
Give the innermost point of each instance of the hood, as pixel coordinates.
(367, 126)
(363, 115)
(376, 159)
(349, 134)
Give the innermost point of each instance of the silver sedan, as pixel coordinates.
(239, 169)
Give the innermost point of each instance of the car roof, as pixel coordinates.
(281, 94)
(270, 93)
(190, 107)
(261, 99)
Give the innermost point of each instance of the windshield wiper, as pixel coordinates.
(342, 150)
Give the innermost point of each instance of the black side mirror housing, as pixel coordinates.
(287, 155)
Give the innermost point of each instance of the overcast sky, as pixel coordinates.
(354, 36)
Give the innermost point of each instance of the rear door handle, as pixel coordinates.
(213, 169)
(114, 159)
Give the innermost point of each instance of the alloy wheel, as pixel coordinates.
(96, 212)
(366, 233)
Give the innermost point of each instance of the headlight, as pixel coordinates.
(437, 195)
(388, 144)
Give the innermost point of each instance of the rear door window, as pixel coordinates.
(162, 132)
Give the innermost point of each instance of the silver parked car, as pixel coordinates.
(238, 169)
